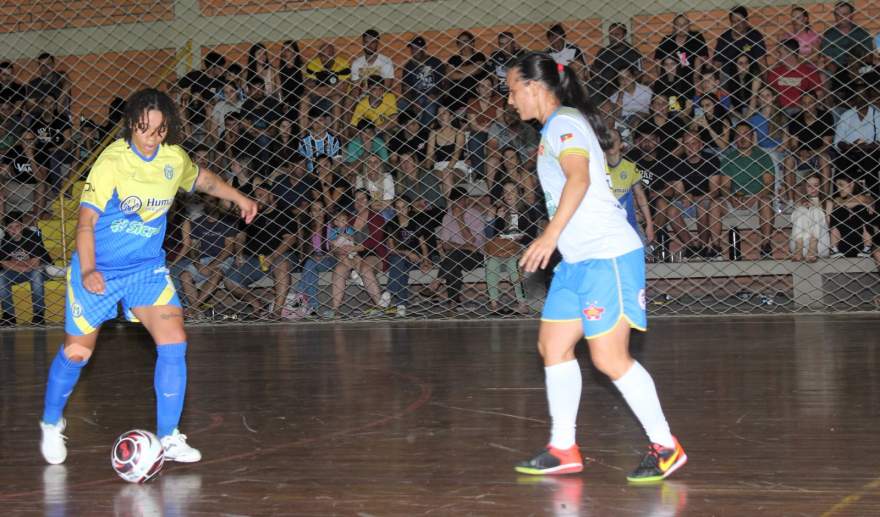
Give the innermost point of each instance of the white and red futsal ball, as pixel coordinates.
(137, 456)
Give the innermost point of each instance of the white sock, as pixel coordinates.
(639, 392)
(564, 396)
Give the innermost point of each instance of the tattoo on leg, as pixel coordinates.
(170, 315)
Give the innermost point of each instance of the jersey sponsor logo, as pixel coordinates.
(88, 187)
(133, 228)
(566, 137)
(154, 204)
(130, 205)
(169, 172)
(594, 312)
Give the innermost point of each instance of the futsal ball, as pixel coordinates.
(137, 456)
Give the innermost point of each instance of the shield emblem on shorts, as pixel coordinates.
(169, 172)
(77, 310)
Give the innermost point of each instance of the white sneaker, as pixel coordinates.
(52, 444)
(356, 278)
(176, 449)
(385, 300)
(401, 311)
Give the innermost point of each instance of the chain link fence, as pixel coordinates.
(393, 179)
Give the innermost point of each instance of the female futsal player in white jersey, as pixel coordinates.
(598, 291)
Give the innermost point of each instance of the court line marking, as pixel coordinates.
(852, 498)
(486, 412)
(425, 393)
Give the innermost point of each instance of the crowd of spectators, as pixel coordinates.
(388, 164)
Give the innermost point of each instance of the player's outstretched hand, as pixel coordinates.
(93, 281)
(538, 253)
(248, 208)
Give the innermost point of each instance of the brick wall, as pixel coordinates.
(35, 15)
(235, 7)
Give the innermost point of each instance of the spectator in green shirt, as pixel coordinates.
(845, 40)
(751, 174)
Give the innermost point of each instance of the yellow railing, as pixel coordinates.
(186, 52)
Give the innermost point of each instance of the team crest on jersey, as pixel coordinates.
(594, 312)
(541, 150)
(566, 137)
(169, 172)
(130, 205)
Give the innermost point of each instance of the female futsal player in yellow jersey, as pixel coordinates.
(598, 291)
(119, 258)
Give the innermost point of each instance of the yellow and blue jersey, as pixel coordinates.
(622, 178)
(132, 194)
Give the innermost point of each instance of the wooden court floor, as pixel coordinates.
(779, 416)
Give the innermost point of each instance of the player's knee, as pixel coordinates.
(612, 365)
(77, 352)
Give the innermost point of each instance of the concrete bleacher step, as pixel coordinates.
(745, 218)
(52, 237)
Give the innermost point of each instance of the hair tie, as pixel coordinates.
(560, 68)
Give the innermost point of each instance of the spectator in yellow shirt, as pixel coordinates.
(377, 106)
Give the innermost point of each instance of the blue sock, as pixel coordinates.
(63, 375)
(170, 385)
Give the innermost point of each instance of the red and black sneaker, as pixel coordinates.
(553, 461)
(659, 463)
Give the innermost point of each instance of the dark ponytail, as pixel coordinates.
(563, 82)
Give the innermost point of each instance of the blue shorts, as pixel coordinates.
(598, 293)
(84, 312)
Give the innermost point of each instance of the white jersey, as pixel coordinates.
(598, 229)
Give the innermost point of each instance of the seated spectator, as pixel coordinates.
(857, 137)
(743, 86)
(267, 240)
(445, 145)
(291, 80)
(514, 225)
(327, 75)
(500, 60)
(23, 257)
(769, 124)
(713, 125)
(709, 85)
(631, 97)
(49, 81)
(625, 180)
(509, 168)
(261, 112)
(792, 77)
(423, 78)
(613, 58)
(319, 139)
(482, 111)
(465, 69)
(11, 90)
(209, 83)
(333, 188)
(705, 189)
(260, 65)
(241, 176)
(377, 182)
(24, 180)
(367, 141)
(845, 40)
(229, 103)
(87, 143)
(461, 237)
(809, 136)
(740, 38)
(668, 123)
(751, 173)
(510, 131)
(237, 142)
(370, 224)
(809, 222)
(53, 145)
(802, 31)
(850, 214)
(371, 62)
(685, 46)
(207, 244)
(316, 254)
(237, 75)
(564, 52)
(378, 106)
(346, 244)
(411, 138)
(291, 184)
(408, 233)
(674, 84)
(413, 181)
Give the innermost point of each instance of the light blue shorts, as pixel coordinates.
(84, 311)
(599, 293)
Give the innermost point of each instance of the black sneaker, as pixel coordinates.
(658, 464)
(553, 461)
